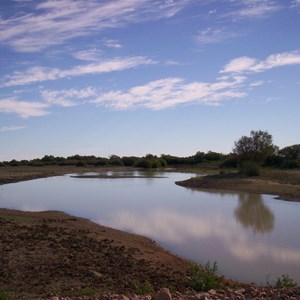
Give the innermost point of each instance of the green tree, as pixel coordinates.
(291, 152)
(256, 147)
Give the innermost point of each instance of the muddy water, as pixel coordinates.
(252, 237)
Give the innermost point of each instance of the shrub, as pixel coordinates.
(249, 168)
(143, 288)
(230, 162)
(204, 278)
(4, 295)
(101, 162)
(284, 281)
(81, 163)
(162, 163)
(128, 161)
(290, 164)
(144, 163)
(116, 162)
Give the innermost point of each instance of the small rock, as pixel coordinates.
(203, 296)
(163, 294)
(212, 292)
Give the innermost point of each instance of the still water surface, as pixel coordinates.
(252, 237)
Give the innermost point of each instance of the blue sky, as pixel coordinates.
(131, 77)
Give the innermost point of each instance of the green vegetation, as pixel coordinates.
(284, 281)
(4, 295)
(204, 278)
(250, 153)
(257, 147)
(249, 168)
(143, 288)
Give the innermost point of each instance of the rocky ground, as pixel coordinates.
(164, 294)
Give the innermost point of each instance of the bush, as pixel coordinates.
(116, 162)
(162, 163)
(273, 161)
(81, 163)
(129, 161)
(249, 168)
(204, 278)
(143, 288)
(144, 163)
(284, 281)
(4, 295)
(290, 164)
(101, 162)
(230, 162)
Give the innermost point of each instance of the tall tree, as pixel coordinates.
(256, 147)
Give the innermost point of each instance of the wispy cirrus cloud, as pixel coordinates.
(254, 8)
(112, 44)
(169, 92)
(55, 22)
(89, 55)
(39, 74)
(68, 98)
(11, 128)
(23, 109)
(246, 64)
(214, 36)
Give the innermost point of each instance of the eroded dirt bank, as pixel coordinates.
(283, 191)
(49, 253)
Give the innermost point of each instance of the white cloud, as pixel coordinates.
(213, 36)
(39, 74)
(257, 83)
(11, 128)
(88, 55)
(112, 44)
(22, 108)
(168, 92)
(246, 64)
(66, 98)
(295, 3)
(54, 22)
(239, 64)
(254, 8)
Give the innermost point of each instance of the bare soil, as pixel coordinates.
(52, 253)
(9, 174)
(284, 184)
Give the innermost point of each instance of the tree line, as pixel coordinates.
(249, 152)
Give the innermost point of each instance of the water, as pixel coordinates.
(252, 237)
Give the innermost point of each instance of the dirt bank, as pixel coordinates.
(283, 185)
(49, 253)
(9, 174)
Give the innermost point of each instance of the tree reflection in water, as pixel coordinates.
(253, 213)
